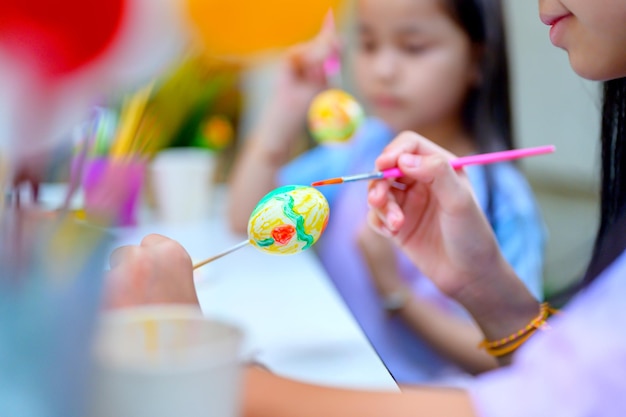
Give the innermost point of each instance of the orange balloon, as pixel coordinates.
(243, 28)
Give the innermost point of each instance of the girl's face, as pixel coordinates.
(593, 32)
(413, 64)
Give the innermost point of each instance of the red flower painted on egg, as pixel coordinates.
(282, 234)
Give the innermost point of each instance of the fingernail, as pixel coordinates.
(375, 193)
(410, 161)
(393, 219)
(383, 231)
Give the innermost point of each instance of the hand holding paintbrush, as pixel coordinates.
(436, 219)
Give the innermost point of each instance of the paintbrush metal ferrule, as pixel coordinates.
(362, 177)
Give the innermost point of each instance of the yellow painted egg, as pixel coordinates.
(288, 220)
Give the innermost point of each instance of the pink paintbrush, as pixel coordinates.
(481, 159)
(332, 64)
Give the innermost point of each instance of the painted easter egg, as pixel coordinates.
(334, 116)
(288, 220)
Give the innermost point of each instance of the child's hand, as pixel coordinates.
(157, 271)
(302, 73)
(380, 257)
(301, 77)
(435, 218)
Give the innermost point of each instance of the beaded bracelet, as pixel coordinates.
(510, 343)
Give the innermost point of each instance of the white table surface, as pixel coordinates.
(294, 321)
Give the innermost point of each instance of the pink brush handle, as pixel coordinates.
(485, 158)
(392, 173)
(332, 64)
(489, 158)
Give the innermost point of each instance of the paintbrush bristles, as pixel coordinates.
(341, 180)
(327, 182)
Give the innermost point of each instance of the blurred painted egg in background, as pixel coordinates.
(334, 116)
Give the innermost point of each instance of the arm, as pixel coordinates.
(453, 337)
(269, 146)
(257, 166)
(517, 222)
(268, 395)
(522, 242)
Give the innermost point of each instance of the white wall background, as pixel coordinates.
(551, 103)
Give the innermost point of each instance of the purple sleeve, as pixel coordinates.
(576, 369)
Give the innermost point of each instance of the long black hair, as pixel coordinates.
(611, 238)
(487, 111)
(487, 108)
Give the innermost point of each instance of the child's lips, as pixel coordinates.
(557, 29)
(387, 102)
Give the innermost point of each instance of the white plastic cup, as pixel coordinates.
(182, 183)
(164, 361)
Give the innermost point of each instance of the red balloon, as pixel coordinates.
(58, 36)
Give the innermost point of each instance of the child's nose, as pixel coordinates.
(384, 66)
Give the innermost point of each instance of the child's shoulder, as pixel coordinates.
(374, 130)
(506, 183)
(509, 176)
(511, 187)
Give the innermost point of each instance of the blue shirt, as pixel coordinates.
(517, 223)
